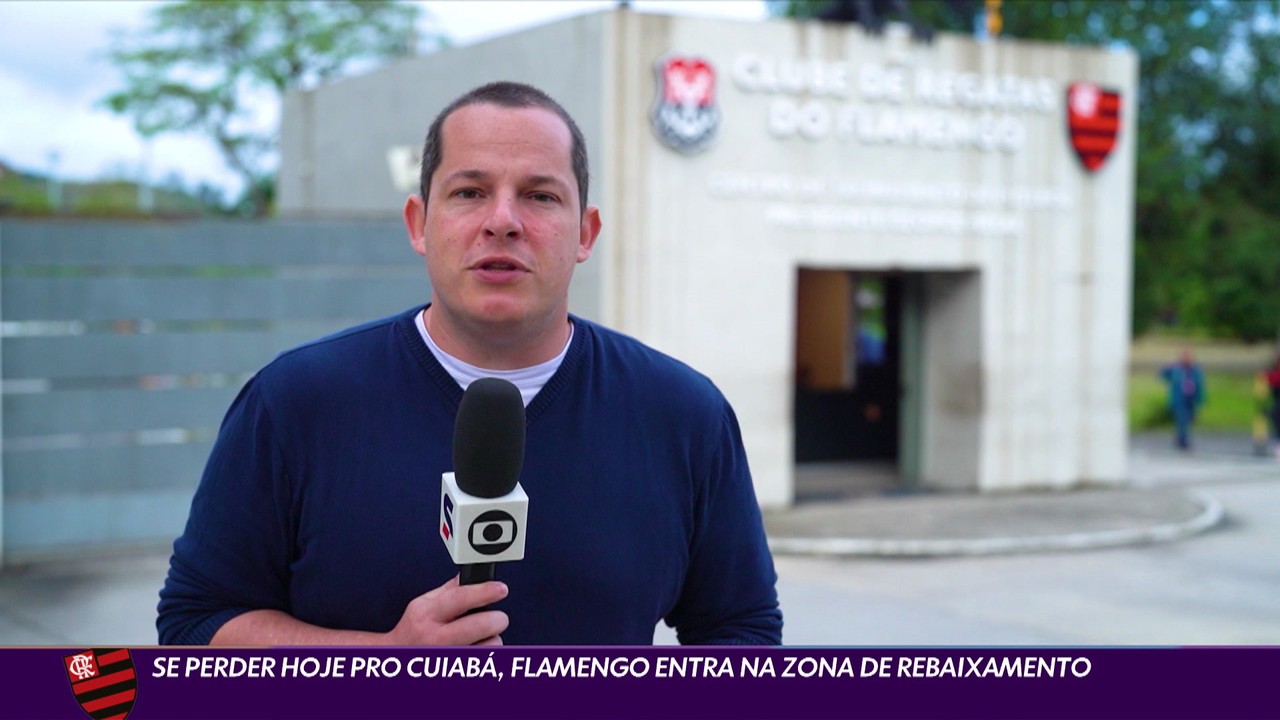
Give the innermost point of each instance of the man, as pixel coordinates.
(316, 519)
(1186, 393)
(1272, 379)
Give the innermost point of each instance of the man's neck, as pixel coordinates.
(496, 349)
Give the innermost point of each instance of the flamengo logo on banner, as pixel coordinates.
(103, 682)
(685, 116)
(1093, 118)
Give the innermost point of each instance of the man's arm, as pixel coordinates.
(437, 617)
(233, 554)
(228, 581)
(729, 597)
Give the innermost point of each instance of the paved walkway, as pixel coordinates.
(966, 524)
(844, 511)
(857, 509)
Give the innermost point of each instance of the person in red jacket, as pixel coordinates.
(1273, 383)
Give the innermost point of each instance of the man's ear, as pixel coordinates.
(415, 220)
(589, 231)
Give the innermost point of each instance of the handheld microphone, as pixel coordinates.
(483, 509)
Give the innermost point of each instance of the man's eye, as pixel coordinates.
(467, 193)
(544, 197)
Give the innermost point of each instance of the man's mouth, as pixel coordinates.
(499, 269)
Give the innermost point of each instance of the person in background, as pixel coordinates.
(1273, 385)
(1186, 394)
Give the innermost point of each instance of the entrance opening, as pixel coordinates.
(848, 383)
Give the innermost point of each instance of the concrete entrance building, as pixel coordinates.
(875, 246)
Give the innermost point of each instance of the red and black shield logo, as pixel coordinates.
(1093, 117)
(103, 681)
(685, 115)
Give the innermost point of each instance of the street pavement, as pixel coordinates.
(1184, 553)
(1207, 584)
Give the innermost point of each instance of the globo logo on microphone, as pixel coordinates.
(493, 532)
(481, 530)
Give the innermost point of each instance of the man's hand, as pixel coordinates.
(439, 617)
(434, 618)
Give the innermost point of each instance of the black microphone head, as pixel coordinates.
(488, 438)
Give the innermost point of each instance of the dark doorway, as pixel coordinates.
(848, 359)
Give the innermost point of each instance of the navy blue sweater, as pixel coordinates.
(321, 499)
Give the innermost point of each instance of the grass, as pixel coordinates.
(1231, 403)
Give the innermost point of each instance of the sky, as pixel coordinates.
(53, 73)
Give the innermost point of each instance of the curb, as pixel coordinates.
(1211, 514)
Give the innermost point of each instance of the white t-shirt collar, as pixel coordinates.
(530, 379)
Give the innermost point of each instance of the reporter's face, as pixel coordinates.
(502, 226)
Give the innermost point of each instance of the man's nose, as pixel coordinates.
(504, 218)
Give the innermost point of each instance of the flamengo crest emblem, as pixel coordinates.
(103, 682)
(1093, 117)
(685, 116)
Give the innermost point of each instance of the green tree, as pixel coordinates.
(196, 66)
(1243, 277)
(1208, 96)
(1207, 197)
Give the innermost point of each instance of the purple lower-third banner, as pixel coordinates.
(639, 682)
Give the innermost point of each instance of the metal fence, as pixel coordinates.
(122, 345)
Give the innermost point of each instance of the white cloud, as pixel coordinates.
(53, 73)
(469, 22)
(52, 78)
(45, 130)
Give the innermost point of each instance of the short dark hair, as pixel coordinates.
(509, 95)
